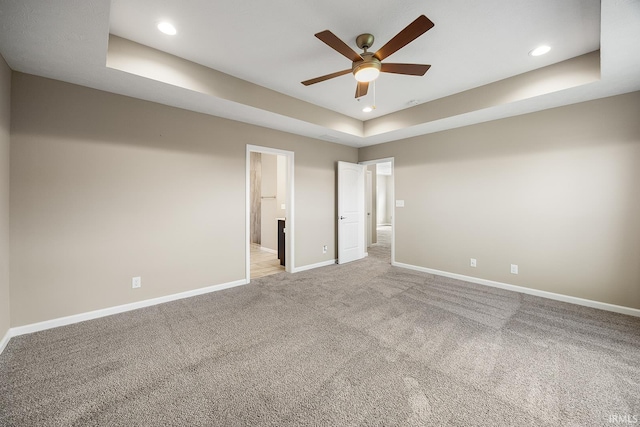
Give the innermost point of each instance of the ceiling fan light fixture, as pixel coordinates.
(367, 74)
(368, 69)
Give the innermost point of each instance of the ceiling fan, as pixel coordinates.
(367, 66)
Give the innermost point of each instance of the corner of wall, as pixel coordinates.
(5, 131)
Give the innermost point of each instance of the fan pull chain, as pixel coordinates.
(374, 95)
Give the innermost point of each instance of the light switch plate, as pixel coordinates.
(399, 203)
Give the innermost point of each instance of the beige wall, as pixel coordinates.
(274, 183)
(5, 109)
(384, 203)
(556, 192)
(106, 187)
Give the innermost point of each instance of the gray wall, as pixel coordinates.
(5, 109)
(556, 192)
(106, 187)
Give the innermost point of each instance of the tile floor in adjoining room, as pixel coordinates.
(263, 263)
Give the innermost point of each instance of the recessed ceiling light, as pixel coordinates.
(540, 50)
(167, 28)
(367, 109)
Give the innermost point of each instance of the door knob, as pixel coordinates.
(343, 217)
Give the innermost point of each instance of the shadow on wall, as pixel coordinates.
(557, 129)
(113, 119)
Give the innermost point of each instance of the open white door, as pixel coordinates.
(351, 212)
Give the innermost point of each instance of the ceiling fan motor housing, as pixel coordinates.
(364, 41)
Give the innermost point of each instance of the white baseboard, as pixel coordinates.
(312, 266)
(62, 321)
(5, 340)
(544, 294)
(76, 318)
(271, 251)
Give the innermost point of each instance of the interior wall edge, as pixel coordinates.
(5, 340)
(6, 76)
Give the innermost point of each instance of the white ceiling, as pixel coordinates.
(272, 44)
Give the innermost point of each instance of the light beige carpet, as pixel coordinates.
(356, 344)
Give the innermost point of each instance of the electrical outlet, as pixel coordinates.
(473, 262)
(514, 268)
(136, 282)
(324, 249)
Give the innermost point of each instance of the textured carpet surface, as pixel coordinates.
(357, 344)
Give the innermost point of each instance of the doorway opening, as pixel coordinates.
(380, 208)
(269, 211)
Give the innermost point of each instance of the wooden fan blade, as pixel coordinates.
(411, 32)
(338, 45)
(410, 69)
(327, 77)
(361, 89)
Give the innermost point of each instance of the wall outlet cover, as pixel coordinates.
(136, 282)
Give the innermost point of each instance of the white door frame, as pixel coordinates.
(289, 225)
(393, 197)
(368, 206)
